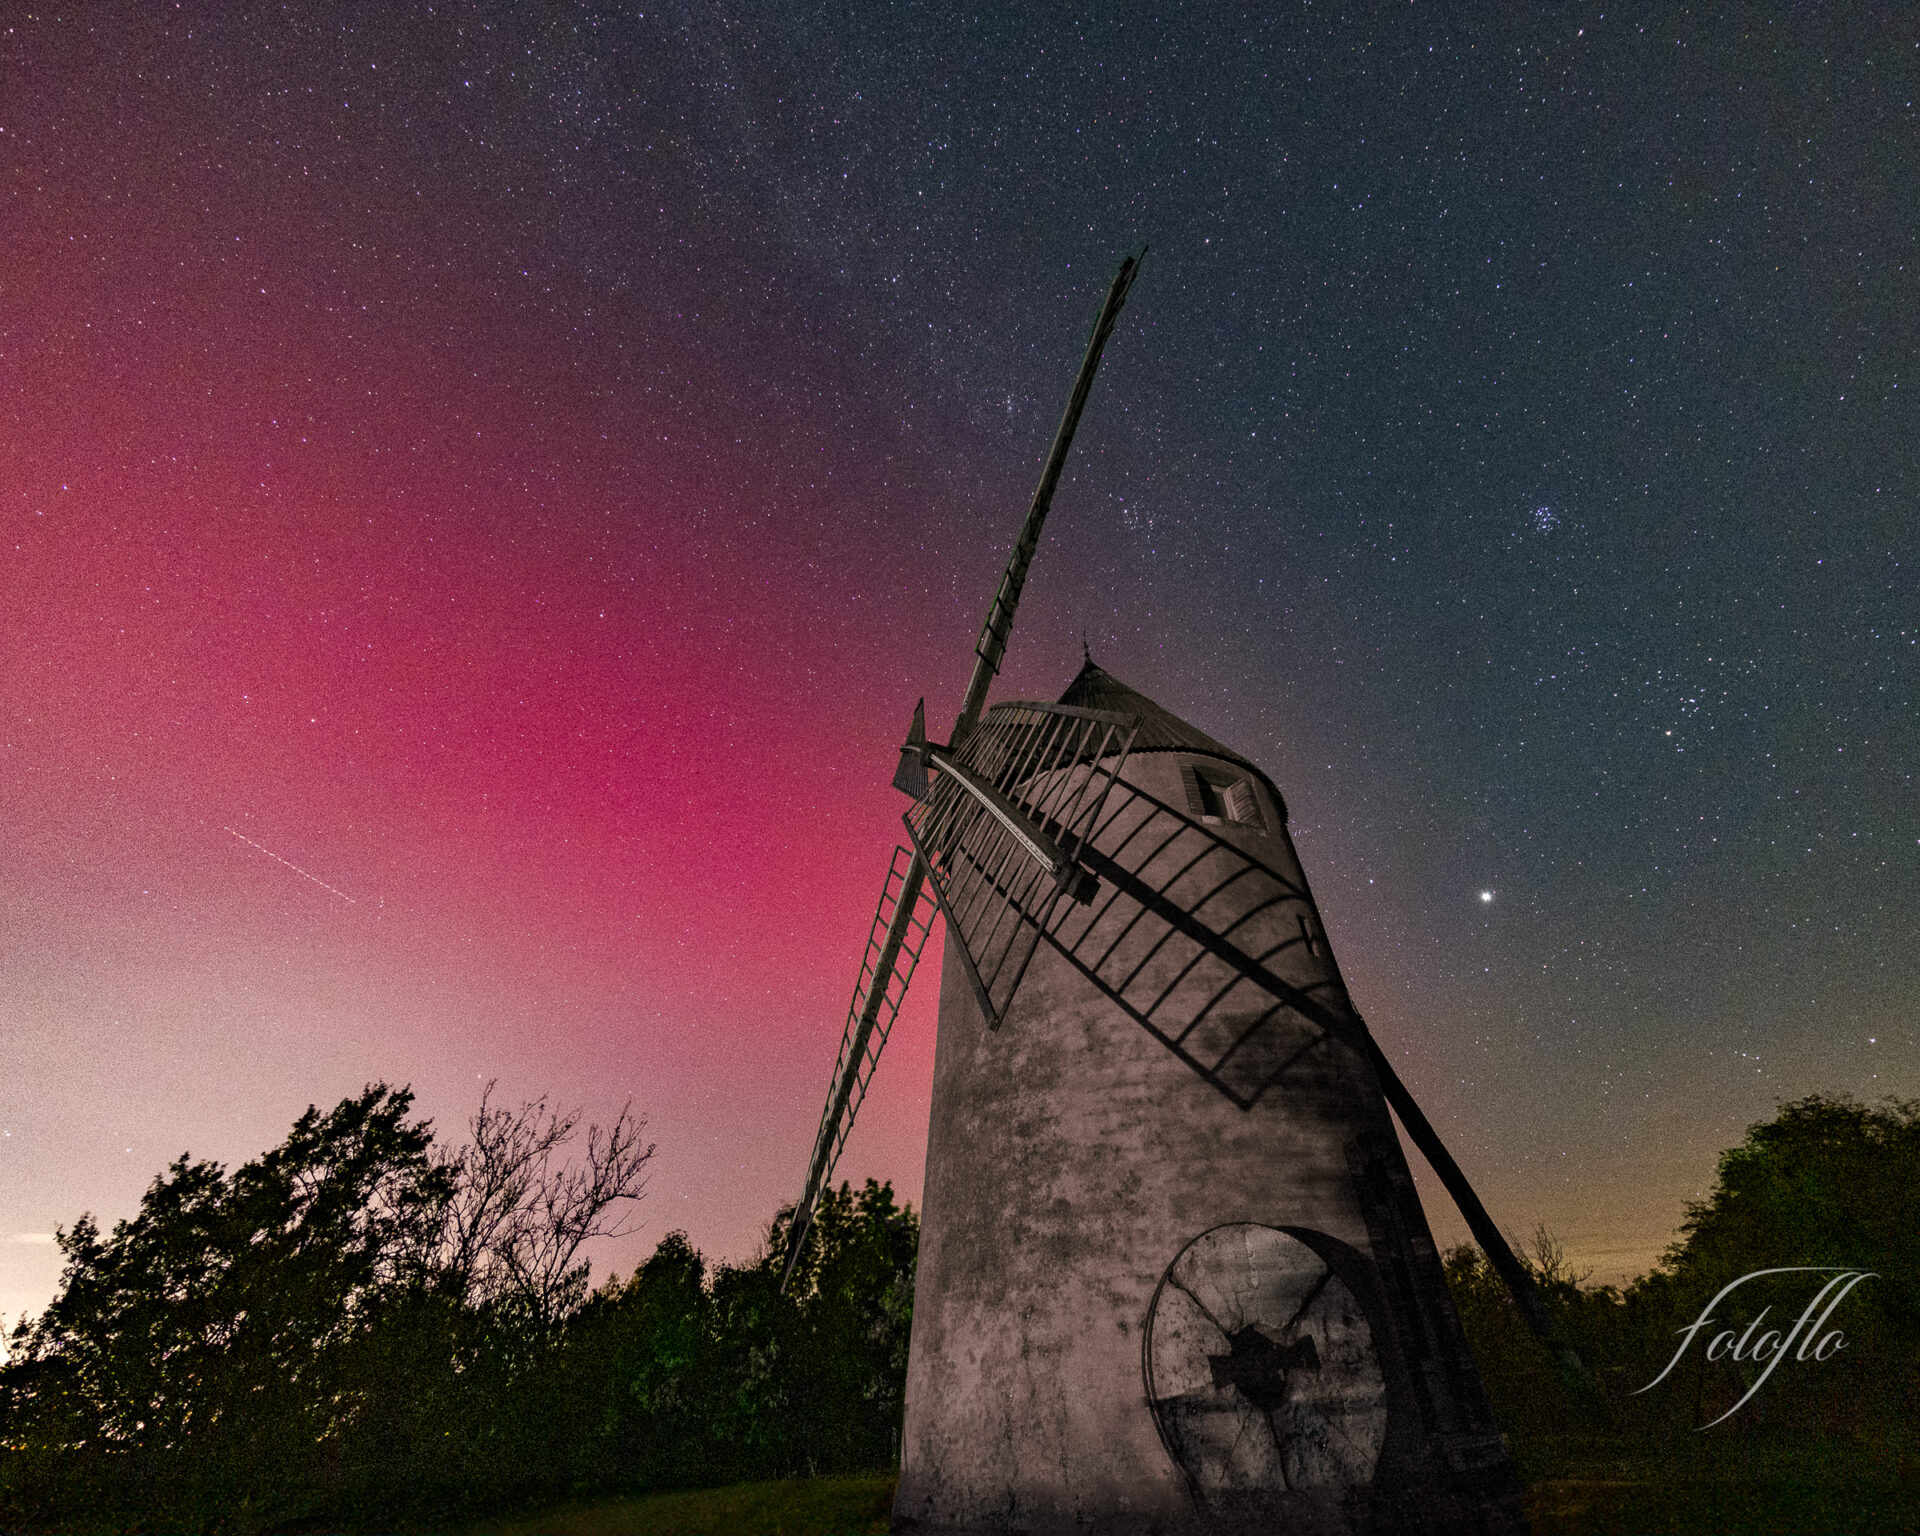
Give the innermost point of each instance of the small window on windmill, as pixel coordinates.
(1245, 808)
(1217, 794)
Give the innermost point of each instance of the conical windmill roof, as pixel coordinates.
(1160, 729)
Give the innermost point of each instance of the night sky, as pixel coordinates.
(484, 489)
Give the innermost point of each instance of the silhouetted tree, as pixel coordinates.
(205, 1351)
(359, 1329)
(330, 1332)
(854, 1294)
(1828, 1181)
(517, 1215)
(715, 1375)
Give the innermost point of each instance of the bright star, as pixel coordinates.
(1486, 895)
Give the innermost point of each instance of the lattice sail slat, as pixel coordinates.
(1183, 937)
(1052, 765)
(869, 1019)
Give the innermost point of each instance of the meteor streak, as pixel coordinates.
(292, 866)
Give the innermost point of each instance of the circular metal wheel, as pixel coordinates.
(1261, 1368)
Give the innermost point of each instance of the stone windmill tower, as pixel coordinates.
(1173, 1273)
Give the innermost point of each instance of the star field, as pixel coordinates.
(518, 471)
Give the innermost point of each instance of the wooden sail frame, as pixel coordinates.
(1004, 827)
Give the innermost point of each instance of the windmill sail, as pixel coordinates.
(1169, 941)
(992, 645)
(1004, 828)
(887, 967)
(860, 1046)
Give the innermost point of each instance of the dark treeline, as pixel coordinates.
(362, 1330)
(1829, 1182)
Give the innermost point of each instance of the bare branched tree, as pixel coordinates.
(520, 1213)
(1548, 1260)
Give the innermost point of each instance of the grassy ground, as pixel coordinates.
(1628, 1485)
(1585, 1487)
(1720, 1507)
(1571, 1507)
(820, 1506)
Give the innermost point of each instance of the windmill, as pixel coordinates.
(1173, 1272)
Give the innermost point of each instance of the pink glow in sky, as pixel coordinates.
(584, 738)
(480, 495)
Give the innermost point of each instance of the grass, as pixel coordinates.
(1628, 1484)
(1590, 1486)
(819, 1506)
(1590, 1478)
(1699, 1507)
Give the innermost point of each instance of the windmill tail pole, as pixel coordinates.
(1526, 1294)
(993, 635)
(824, 1147)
